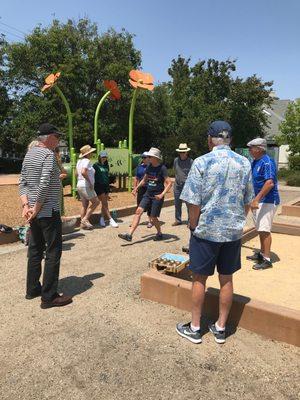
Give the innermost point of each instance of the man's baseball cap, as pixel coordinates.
(220, 129)
(258, 142)
(48, 129)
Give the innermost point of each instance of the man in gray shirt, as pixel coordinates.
(182, 166)
(40, 197)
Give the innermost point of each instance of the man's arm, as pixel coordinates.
(268, 185)
(167, 184)
(141, 183)
(42, 192)
(194, 215)
(23, 193)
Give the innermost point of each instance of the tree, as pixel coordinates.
(85, 59)
(206, 92)
(290, 128)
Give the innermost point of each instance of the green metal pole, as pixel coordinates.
(73, 166)
(70, 131)
(97, 116)
(69, 114)
(130, 139)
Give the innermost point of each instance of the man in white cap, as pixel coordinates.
(158, 184)
(266, 200)
(182, 165)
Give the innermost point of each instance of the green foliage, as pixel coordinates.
(176, 111)
(283, 173)
(294, 162)
(290, 128)
(293, 179)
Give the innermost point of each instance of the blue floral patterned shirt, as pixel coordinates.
(220, 183)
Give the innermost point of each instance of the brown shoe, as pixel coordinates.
(59, 301)
(176, 223)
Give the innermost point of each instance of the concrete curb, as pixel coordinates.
(291, 209)
(6, 238)
(270, 320)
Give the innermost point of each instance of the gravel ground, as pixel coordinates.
(11, 213)
(110, 344)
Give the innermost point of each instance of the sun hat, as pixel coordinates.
(144, 155)
(103, 153)
(85, 150)
(182, 148)
(260, 142)
(48, 129)
(220, 129)
(154, 152)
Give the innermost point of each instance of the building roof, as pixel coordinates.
(277, 111)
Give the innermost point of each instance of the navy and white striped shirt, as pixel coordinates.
(40, 181)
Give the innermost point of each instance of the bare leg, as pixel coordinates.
(156, 223)
(136, 219)
(94, 202)
(198, 295)
(225, 301)
(265, 243)
(104, 209)
(84, 206)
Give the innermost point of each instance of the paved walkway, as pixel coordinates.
(110, 344)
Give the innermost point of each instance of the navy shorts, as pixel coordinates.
(205, 255)
(150, 204)
(101, 189)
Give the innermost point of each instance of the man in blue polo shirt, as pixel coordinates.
(218, 191)
(266, 200)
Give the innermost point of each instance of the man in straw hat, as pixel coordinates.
(266, 200)
(182, 165)
(40, 190)
(158, 184)
(219, 192)
(85, 185)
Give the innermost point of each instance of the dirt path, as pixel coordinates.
(110, 344)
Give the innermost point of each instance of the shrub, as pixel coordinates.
(283, 173)
(293, 179)
(294, 162)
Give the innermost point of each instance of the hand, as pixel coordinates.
(254, 205)
(134, 192)
(159, 196)
(26, 212)
(62, 176)
(32, 213)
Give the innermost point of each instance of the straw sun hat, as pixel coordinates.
(182, 148)
(85, 150)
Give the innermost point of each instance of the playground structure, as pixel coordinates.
(121, 160)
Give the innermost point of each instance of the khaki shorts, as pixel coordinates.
(86, 193)
(263, 217)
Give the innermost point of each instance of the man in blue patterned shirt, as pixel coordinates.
(218, 191)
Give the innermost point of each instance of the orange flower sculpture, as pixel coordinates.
(50, 81)
(141, 80)
(113, 88)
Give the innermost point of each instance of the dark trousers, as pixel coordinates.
(46, 236)
(178, 202)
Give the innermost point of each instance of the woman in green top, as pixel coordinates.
(102, 188)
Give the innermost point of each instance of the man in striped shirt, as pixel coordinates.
(40, 196)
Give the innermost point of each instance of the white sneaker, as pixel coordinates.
(113, 223)
(102, 222)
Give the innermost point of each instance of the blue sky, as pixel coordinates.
(263, 35)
